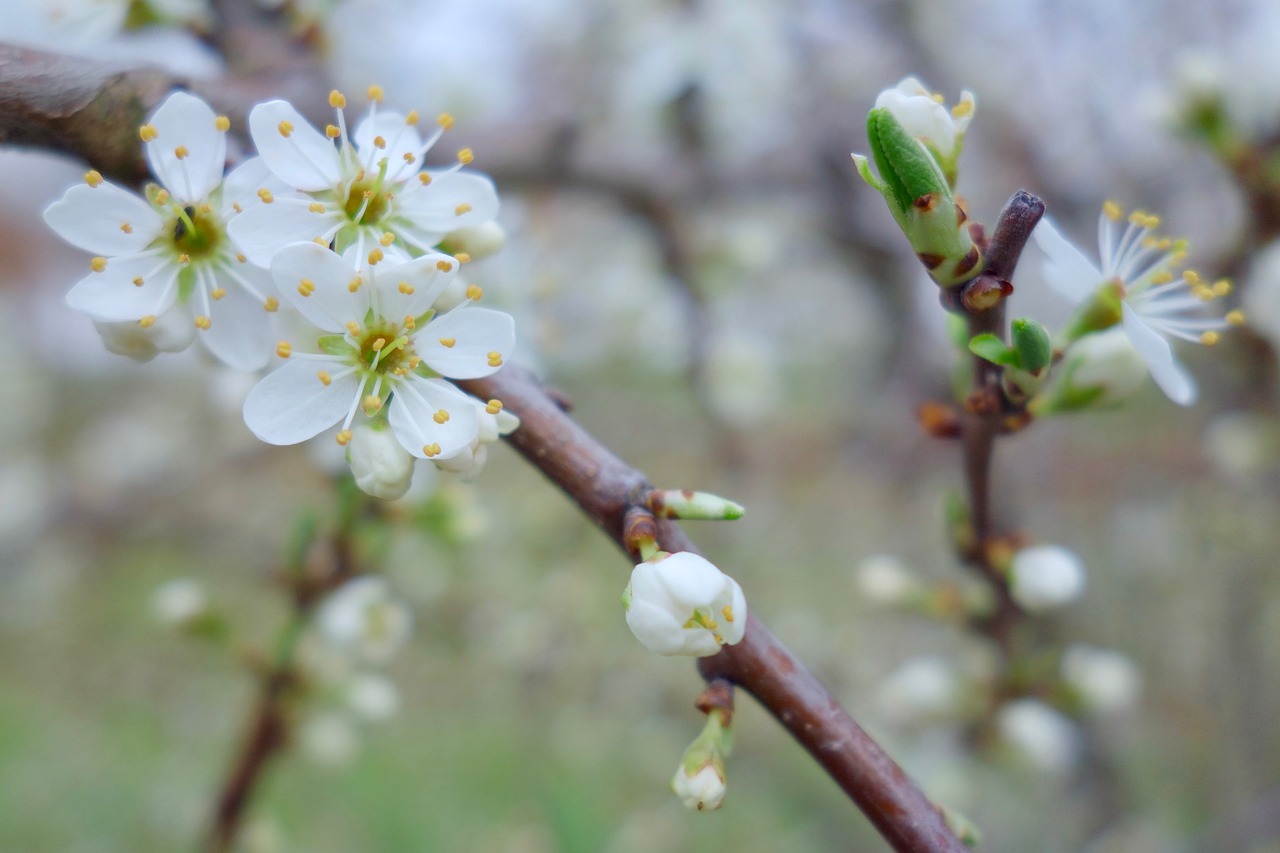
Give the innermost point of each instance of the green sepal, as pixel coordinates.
(989, 347)
(334, 345)
(1104, 309)
(1032, 345)
(906, 166)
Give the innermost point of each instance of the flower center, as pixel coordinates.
(196, 231)
(386, 349)
(367, 202)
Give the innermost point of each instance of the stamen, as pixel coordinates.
(1210, 338)
(1112, 211)
(411, 118)
(138, 282)
(379, 142)
(266, 196)
(474, 292)
(441, 417)
(148, 132)
(445, 120)
(461, 209)
(727, 612)
(332, 131)
(462, 258)
(203, 323)
(126, 227)
(375, 256)
(405, 288)
(306, 287)
(354, 328)
(316, 207)
(285, 128)
(371, 404)
(1221, 287)
(431, 450)
(424, 178)
(337, 100)
(354, 284)
(343, 437)
(375, 94)
(284, 349)
(409, 322)
(271, 304)
(495, 359)
(324, 377)
(222, 123)
(465, 156)
(98, 264)
(181, 152)
(962, 109)
(448, 343)
(494, 407)
(387, 239)
(217, 293)
(93, 177)
(148, 321)
(444, 266)
(1235, 318)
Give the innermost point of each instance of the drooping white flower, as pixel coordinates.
(381, 467)
(1045, 577)
(923, 115)
(169, 253)
(702, 791)
(1106, 680)
(494, 422)
(369, 190)
(681, 604)
(363, 618)
(1043, 736)
(1138, 273)
(387, 350)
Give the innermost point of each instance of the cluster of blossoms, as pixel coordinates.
(346, 229)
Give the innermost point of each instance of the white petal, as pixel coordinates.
(305, 159)
(475, 332)
(292, 404)
(691, 580)
(184, 121)
(112, 296)
(399, 138)
(264, 229)
(93, 219)
(173, 331)
(242, 184)
(421, 277)
(413, 410)
(1173, 380)
(655, 628)
(331, 304)
(1066, 269)
(435, 207)
(239, 333)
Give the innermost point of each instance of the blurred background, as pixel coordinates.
(691, 258)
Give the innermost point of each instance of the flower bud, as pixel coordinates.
(172, 331)
(1041, 735)
(179, 603)
(1099, 370)
(683, 503)
(883, 579)
(382, 467)
(372, 697)
(681, 604)
(1105, 681)
(700, 778)
(1045, 577)
(921, 689)
(923, 115)
(477, 241)
(920, 199)
(1032, 345)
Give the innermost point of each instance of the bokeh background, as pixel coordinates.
(693, 261)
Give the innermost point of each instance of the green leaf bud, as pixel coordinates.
(1032, 345)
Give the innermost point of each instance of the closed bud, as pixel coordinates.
(700, 779)
(1099, 370)
(1045, 577)
(382, 467)
(1031, 343)
(476, 241)
(683, 503)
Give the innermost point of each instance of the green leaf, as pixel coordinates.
(904, 163)
(990, 348)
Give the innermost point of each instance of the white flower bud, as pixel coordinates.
(361, 617)
(1045, 577)
(329, 739)
(883, 579)
(922, 688)
(1040, 734)
(373, 697)
(924, 117)
(382, 467)
(703, 791)
(478, 241)
(681, 604)
(1106, 360)
(172, 331)
(1106, 681)
(1261, 298)
(179, 602)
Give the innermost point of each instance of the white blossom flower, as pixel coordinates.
(1106, 680)
(387, 350)
(329, 738)
(702, 791)
(372, 697)
(923, 115)
(1041, 735)
(681, 604)
(884, 579)
(179, 602)
(494, 423)
(381, 467)
(362, 617)
(370, 190)
(170, 253)
(1138, 271)
(1045, 577)
(922, 688)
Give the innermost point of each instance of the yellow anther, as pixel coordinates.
(203, 323)
(378, 344)
(424, 178)
(306, 287)
(137, 282)
(411, 118)
(937, 97)
(343, 437)
(148, 132)
(222, 123)
(375, 256)
(408, 157)
(332, 131)
(1235, 318)
(184, 259)
(206, 208)
(320, 241)
(414, 361)
(1221, 287)
(217, 293)
(474, 292)
(962, 109)
(354, 328)
(1112, 211)
(406, 288)
(93, 177)
(316, 207)
(462, 258)
(1191, 277)
(1202, 292)
(409, 322)
(386, 239)
(126, 227)
(494, 406)
(148, 321)
(461, 209)
(444, 266)
(241, 258)
(375, 93)
(284, 349)
(162, 197)
(465, 156)
(371, 404)
(448, 343)
(271, 304)
(1162, 277)
(1210, 338)
(495, 359)
(324, 377)
(235, 205)
(354, 284)
(445, 120)
(285, 128)
(98, 264)
(430, 450)
(181, 152)
(266, 196)
(379, 142)
(727, 612)
(337, 100)
(440, 417)
(360, 175)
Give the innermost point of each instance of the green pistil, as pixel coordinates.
(196, 232)
(366, 203)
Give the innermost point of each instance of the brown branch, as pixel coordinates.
(604, 488)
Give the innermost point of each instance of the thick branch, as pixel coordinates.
(604, 487)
